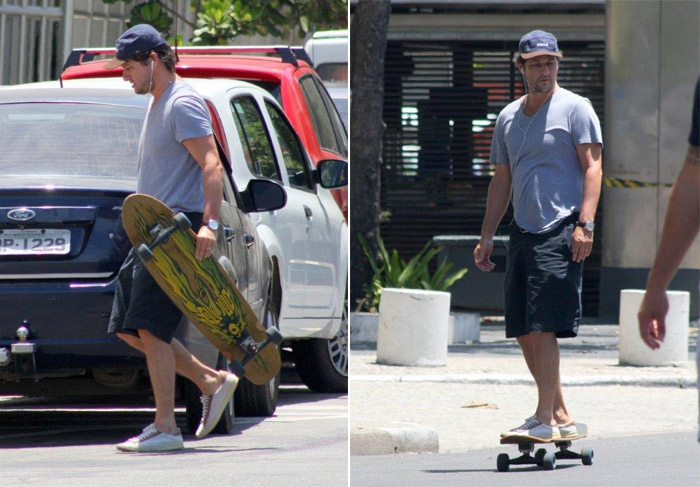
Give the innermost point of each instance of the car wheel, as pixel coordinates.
(323, 364)
(193, 406)
(259, 400)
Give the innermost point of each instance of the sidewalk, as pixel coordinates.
(485, 388)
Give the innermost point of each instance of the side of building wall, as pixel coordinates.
(652, 64)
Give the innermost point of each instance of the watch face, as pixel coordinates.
(213, 225)
(589, 226)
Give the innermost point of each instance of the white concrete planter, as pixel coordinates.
(413, 327)
(674, 349)
(363, 327)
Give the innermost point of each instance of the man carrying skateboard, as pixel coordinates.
(546, 150)
(680, 228)
(178, 163)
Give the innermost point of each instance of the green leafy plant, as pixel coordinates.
(390, 270)
(151, 12)
(219, 22)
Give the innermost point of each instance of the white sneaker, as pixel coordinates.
(534, 429)
(214, 405)
(573, 430)
(527, 420)
(152, 440)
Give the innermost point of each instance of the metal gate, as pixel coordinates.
(440, 107)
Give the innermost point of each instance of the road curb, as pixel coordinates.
(393, 438)
(604, 380)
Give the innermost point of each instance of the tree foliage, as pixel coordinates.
(217, 22)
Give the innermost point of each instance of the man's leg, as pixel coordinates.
(207, 379)
(161, 368)
(546, 354)
(559, 411)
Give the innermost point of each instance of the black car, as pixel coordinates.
(68, 160)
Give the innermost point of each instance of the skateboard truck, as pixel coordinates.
(145, 251)
(253, 348)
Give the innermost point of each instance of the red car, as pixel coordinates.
(283, 71)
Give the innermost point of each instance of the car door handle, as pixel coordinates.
(229, 233)
(248, 239)
(307, 211)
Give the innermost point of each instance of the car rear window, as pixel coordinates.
(68, 141)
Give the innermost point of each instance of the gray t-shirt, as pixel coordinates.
(541, 152)
(167, 170)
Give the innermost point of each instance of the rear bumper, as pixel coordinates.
(68, 326)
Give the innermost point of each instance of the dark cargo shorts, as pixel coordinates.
(543, 283)
(140, 304)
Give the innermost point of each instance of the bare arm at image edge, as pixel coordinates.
(681, 225)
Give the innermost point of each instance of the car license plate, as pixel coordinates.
(34, 242)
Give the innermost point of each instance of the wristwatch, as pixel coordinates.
(587, 226)
(213, 225)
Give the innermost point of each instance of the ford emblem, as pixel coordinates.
(21, 214)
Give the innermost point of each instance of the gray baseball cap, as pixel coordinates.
(538, 43)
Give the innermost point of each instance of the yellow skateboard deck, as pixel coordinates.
(201, 289)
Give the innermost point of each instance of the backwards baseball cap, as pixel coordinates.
(538, 43)
(139, 39)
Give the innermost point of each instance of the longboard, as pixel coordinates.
(543, 458)
(201, 289)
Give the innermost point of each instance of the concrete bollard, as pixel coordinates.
(674, 350)
(363, 327)
(464, 327)
(413, 327)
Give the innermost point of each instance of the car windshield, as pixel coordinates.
(63, 144)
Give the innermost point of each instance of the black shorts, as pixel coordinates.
(140, 303)
(543, 283)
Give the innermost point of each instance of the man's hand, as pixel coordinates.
(652, 318)
(206, 240)
(581, 244)
(482, 254)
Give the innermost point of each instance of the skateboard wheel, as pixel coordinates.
(549, 461)
(182, 222)
(144, 252)
(237, 369)
(539, 455)
(587, 456)
(275, 335)
(503, 462)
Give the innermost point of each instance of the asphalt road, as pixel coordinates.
(665, 460)
(54, 443)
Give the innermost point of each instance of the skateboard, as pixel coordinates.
(202, 289)
(543, 458)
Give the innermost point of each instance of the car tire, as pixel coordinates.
(322, 364)
(259, 400)
(193, 406)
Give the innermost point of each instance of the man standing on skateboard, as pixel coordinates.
(178, 163)
(680, 228)
(546, 150)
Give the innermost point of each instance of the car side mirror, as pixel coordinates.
(263, 195)
(331, 173)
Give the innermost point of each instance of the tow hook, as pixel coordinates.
(23, 350)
